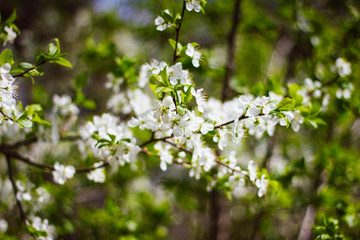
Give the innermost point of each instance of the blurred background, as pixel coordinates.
(276, 43)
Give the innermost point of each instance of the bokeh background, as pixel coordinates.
(277, 42)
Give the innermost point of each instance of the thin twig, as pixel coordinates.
(5, 115)
(153, 140)
(26, 160)
(86, 170)
(11, 177)
(242, 117)
(29, 70)
(21, 158)
(177, 29)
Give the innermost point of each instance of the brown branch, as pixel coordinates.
(214, 214)
(177, 29)
(29, 70)
(5, 115)
(86, 170)
(18, 203)
(26, 160)
(230, 64)
(191, 152)
(153, 140)
(242, 117)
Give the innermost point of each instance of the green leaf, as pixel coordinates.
(37, 119)
(6, 57)
(41, 58)
(11, 19)
(128, 140)
(52, 49)
(31, 109)
(178, 20)
(182, 111)
(62, 61)
(26, 65)
(160, 90)
(167, 17)
(179, 48)
(16, 71)
(25, 123)
(89, 104)
(112, 137)
(314, 122)
(164, 77)
(155, 79)
(34, 72)
(186, 96)
(286, 104)
(172, 43)
(153, 87)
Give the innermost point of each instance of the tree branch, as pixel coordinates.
(26, 160)
(11, 177)
(29, 70)
(5, 115)
(177, 29)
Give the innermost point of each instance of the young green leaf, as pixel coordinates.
(6, 57)
(286, 104)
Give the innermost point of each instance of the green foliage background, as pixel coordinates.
(278, 42)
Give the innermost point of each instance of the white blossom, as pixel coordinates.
(262, 184)
(7, 89)
(64, 106)
(3, 225)
(160, 23)
(343, 67)
(194, 54)
(23, 193)
(165, 155)
(200, 98)
(11, 35)
(62, 173)
(97, 175)
(193, 4)
(252, 170)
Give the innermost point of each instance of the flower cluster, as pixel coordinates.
(310, 89)
(8, 92)
(23, 193)
(161, 23)
(185, 128)
(342, 67)
(123, 100)
(110, 140)
(64, 106)
(46, 231)
(97, 175)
